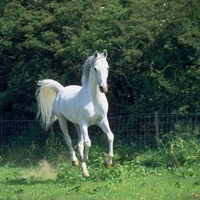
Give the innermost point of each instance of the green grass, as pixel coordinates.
(168, 173)
(120, 182)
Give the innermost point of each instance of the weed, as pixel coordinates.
(69, 175)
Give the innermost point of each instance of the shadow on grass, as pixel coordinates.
(24, 181)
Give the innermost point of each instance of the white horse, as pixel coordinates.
(83, 106)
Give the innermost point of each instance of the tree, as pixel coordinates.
(153, 49)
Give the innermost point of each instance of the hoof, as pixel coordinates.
(75, 163)
(86, 174)
(106, 165)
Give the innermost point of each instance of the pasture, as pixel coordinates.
(143, 183)
(43, 170)
(151, 174)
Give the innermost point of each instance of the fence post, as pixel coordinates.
(156, 122)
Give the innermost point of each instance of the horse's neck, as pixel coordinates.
(94, 92)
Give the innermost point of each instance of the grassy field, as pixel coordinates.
(167, 173)
(127, 181)
(41, 184)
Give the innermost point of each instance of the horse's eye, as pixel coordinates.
(95, 69)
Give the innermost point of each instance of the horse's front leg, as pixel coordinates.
(87, 145)
(106, 129)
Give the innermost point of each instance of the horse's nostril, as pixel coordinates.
(101, 89)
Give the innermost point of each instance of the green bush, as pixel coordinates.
(180, 147)
(153, 51)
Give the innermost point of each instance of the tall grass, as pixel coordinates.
(179, 148)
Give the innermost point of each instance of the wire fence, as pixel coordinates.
(144, 130)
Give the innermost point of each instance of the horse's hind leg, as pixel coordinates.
(67, 138)
(81, 151)
(80, 141)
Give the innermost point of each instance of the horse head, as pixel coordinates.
(101, 70)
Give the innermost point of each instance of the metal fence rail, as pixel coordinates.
(144, 130)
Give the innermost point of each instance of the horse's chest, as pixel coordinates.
(93, 113)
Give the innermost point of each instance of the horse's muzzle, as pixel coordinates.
(103, 89)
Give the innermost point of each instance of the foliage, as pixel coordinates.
(179, 148)
(153, 51)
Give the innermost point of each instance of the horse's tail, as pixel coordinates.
(45, 94)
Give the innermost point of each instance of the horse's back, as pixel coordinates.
(71, 91)
(66, 102)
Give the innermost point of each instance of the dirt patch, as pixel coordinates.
(44, 170)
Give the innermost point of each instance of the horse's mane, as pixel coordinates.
(86, 70)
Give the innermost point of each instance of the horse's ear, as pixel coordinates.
(95, 54)
(105, 53)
